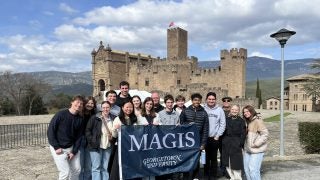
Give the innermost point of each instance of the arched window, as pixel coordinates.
(102, 85)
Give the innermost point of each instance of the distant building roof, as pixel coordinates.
(304, 77)
(277, 98)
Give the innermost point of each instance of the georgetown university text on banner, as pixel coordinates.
(157, 150)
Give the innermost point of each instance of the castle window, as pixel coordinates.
(304, 107)
(305, 97)
(146, 82)
(271, 103)
(178, 81)
(102, 85)
(275, 103)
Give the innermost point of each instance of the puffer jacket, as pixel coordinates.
(199, 117)
(256, 141)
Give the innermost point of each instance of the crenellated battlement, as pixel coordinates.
(233, 53)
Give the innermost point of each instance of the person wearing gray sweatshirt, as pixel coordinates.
(217, 125)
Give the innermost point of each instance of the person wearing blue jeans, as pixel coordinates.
(252, 164)
(88, 111)
(100, 159)
(255, 144)
(99, 135)
(85, 161)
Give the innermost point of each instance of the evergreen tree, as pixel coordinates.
(258, 94)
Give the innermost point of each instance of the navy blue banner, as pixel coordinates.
(157, 150)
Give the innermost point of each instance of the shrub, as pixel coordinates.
(309, 136)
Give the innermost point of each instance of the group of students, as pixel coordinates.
(93, 131)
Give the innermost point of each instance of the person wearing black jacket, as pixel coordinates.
(99, 137)
(124, 95)
(197, 115)
(232, 143)
(64, 136)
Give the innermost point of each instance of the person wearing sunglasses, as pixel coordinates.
(226, 105)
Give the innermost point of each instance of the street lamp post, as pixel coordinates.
(282, 36)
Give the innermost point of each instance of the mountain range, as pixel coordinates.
(257, 68)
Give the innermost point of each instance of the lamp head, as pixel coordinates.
(282, 36)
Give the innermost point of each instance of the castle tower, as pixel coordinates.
(233, 67)
(106, 65)
(177, 43)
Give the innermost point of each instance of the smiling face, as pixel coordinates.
(90, 105)
(77, 105)
(111, 98)
(105, 109)
(148, 106)
(155, 97)
(235, 110)
(211, 101)
(127, 108)
(136, 102)
(196, 102)
(124, 89)
(180, 103)
(169, 104)
(246, 113)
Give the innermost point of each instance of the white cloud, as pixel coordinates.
(260, 55)
(66, 8)
(141, 26)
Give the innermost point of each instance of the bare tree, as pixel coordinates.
(19, 85)
(35, 88)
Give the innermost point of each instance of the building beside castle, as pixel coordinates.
(298, 98)
(176, 74)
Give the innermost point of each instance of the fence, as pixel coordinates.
(22, 135)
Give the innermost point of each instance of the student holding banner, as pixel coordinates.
(148, 114)
(197, 115)
(128, 118)
(168, 116)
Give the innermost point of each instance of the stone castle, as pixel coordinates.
(176, 74)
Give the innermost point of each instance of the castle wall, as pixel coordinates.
(230, 75)
(177, 74)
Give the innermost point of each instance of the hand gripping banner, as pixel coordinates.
(157, 150)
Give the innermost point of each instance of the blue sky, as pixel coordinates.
(60, 34)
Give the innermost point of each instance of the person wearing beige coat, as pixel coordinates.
(255, 144)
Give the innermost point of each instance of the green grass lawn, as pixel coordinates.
(276, 118)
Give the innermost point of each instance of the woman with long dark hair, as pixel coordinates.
(126, 117)
(148, 113)
(136, 101)
(88, 111)
(255, 144)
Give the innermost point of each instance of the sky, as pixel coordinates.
(46, 35)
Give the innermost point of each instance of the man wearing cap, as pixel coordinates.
(226, 106)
